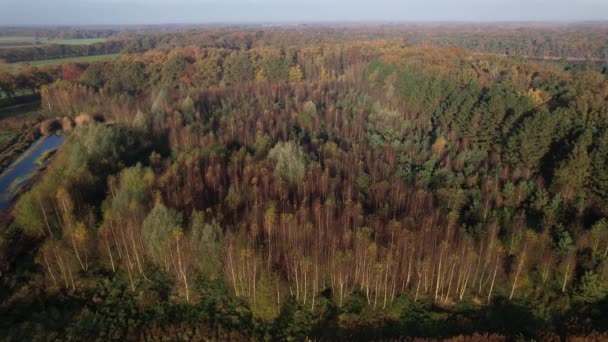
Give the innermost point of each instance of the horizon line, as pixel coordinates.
(320, 22)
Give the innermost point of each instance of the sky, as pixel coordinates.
(101, 12)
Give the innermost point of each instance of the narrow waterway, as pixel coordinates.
(23, 168)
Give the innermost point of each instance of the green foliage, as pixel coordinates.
(156, 231)
(386, 127)
(296, 322)
(173, 70)
(261, 146)
(290, 163)
(132, 191)
(591, 288)
(563, 241)
(599, 164)
(238, 68)
(93, 76)
(104, 146)
(446, 157)
(188, 109)
(209, 72)
(29, 216)
(573, 173)
(127, 77)
(362, 182)
(532, 141)
(207, 240)
(276, 69)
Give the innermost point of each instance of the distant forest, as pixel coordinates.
(348, 183)
(555, 41)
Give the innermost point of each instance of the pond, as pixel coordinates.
(17, 174)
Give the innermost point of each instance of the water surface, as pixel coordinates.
(24, 167)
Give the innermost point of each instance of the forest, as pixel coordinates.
(574, 41)
(241, 184)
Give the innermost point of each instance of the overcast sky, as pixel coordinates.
(71, 12)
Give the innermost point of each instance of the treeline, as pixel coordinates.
(58, 32)
(195, 68)
(54, 51)
(567, 41)
(574, 41)
(29, 80)
(355, 190)
(579, 42)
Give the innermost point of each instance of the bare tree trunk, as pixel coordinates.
(124, 242)
(297, 283)
(278, 296)
(46, 221)
(477, 266)
(417, 287)
(566, 276)
(304, 269)
(447, 294)
(519, 267)
(465, 281)
(116, 240)
(110, 253)
(409, 270)
(545, 273)
(48, 266)
(62, 269)
(493, 279)
(438, 282)
(77, 254)
(181, 269)
(314, 287)
(385, 288)
(139, 266)
(236, 290)
(71, 278)
(341, 292)
(376, 292)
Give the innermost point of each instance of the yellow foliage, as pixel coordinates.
(269, 217)
(324, 74)
(296, 74)
(537, 96)
(81, 234)
(374, 75)
(260, 75)
(64, 198)
(149, 177)
(177, 233)
(246, 253)
(372, 248)
(439, 145)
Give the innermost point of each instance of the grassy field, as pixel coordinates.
(15, 67)
(10, 42)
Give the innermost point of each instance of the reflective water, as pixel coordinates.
(23, 168)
